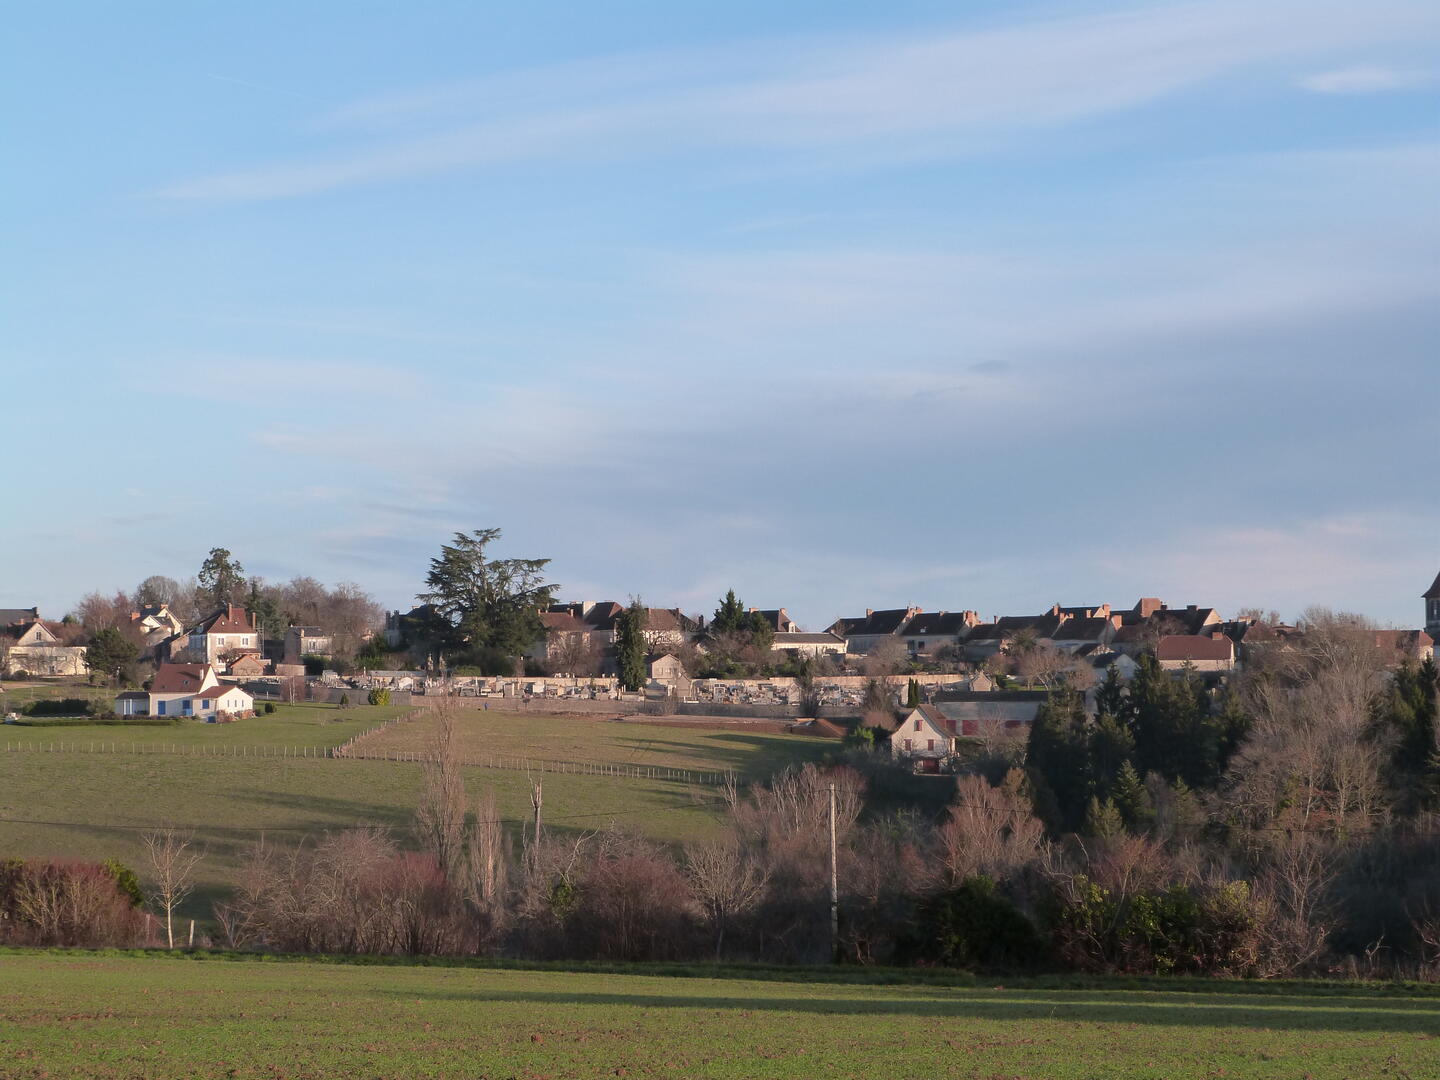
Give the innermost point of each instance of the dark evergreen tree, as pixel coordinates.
(631, 646)
(111, 655)
(912, 694)
(731, 616)
(1058, 757)
(263, 604)
(487, 607)
(1167, 715)
(1111, 748)
(762, 634)
(221, 580)
(1132, 800)
(1110, 695)
(1102, 820)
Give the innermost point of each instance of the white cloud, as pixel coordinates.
(949, 92)
(1368, 80)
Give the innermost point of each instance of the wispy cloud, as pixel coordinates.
(1369, 80)
(948, 91)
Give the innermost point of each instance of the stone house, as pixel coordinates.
(303, 641)
(218, 638)
(926, 737)
(35, 647)
(927, 632)
(154, 625)
(988, 639)
(862, 634)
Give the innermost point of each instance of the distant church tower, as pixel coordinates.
(1432, 609)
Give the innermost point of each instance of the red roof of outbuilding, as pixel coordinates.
(1194, 647)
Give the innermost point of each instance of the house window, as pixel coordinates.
(160, 709)
(929, 744)
(908, 744)
(917, 725)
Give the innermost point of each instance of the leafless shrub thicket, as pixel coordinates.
(45, 902)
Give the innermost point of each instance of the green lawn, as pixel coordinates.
(297, 725)
(14, 695)
(582, 738)
(92, 1015)
(94, 805)
(231, 801)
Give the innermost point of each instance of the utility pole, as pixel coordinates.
(834, 887)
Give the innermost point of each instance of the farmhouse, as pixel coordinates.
(35, 648)
(188, 690)
(223, 636)
(925, 736)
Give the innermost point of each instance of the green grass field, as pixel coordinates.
(93, 1015)
(583, 738)
(296, 725)
(95, 805)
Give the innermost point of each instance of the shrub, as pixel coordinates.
(67, 903)
(1182, 929)
(634, 903)
(269, 707)
(974, 926)
(66, 707)
(379, 696)
(126, 881)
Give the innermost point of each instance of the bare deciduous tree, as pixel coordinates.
(727, 881)
(1313, 743)
(440, 815)
(172, 856)
(888, 656)
(990, 830)
(486, 863)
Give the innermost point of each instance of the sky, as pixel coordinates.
(841, 304)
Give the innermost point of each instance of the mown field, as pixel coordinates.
(298, 725)
(597, 740)
(96, 805)
(93, 1015)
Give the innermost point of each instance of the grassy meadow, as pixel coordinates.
(95, 805)
(611, 741)
(298, 725)
(111, 1016)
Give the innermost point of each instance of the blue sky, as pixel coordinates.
(844, 305)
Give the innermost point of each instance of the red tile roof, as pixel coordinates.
(233, 620)
(178, 678)
(1181, 647)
